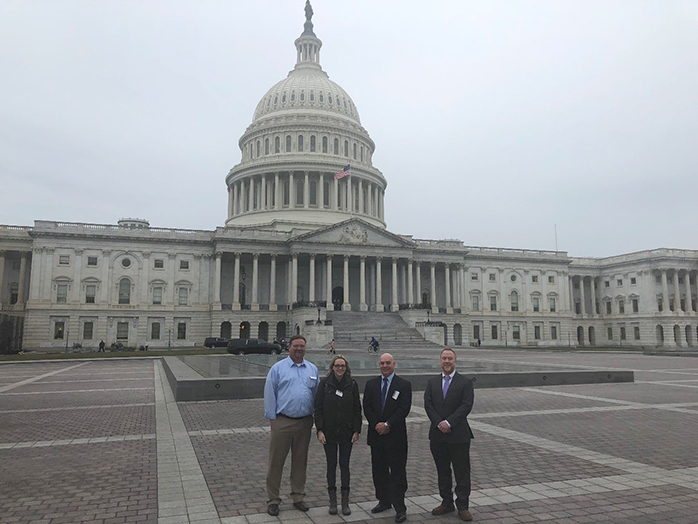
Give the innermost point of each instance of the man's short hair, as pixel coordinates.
(296, 337)
(448, 349)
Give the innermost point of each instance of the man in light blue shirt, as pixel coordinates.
(289, 397)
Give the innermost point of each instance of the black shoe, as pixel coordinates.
(401, 516)
(380, 507)
(273, 510)
(301, 505)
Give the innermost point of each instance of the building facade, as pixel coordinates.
(301, 243)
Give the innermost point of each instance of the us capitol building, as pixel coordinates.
(305, 251)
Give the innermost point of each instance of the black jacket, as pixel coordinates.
(397, 407)
(338, 417)
(454, 408)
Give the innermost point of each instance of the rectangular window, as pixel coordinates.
(514, 302)
(181, 331)
(552, 305)
(609, 333)
(536, 332)
(622, 333)
(158, 263)
(608, 308)
(660, 304)
(474, 276)
(577, 308)
(633, 281)
(16, 264)
(636, 305)
(672, 307)
(58, 330)
(575, 285)
(157, 295)
(122, 331)
(619, 282)
(494, 332)
(493, 303)
(680, 280)
(90, 292)
(658, 279)
(87, 330)
(493, 277)
(62, 293)
(607, 283)
(91, 261)
(155, 331)
(516, 332)
(183, 296)
(536, 304)
(534, 279)
(553, 332)
(63, 260)
(551, 279)
(476, 332)
(476, 302)
(183, 264)
(621, 307)
(636, 332)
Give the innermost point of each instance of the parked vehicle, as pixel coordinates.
(245, 346)
(216, 342)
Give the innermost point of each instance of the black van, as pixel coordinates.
(245, 346)
(216, 342)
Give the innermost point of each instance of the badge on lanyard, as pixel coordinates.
(339, 393)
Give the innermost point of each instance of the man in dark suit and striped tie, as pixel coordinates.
(387, 402)
(448, 400)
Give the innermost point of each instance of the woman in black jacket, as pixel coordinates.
(338, 423)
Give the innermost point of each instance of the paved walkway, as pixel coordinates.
(104, 442)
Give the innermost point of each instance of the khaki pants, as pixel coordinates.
(288, 434)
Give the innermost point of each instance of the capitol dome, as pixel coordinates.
(305, 130)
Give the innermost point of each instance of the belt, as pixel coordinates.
(292, 418)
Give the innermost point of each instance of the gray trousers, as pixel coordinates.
(294, 435)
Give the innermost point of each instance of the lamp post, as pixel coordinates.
(67, 335)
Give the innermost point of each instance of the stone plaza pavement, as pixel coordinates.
(103, 441)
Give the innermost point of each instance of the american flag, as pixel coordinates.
(346, 171)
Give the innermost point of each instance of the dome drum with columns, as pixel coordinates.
(305, 129)
(302, 252)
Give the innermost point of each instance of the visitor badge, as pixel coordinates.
(339, 393)
(396, 394)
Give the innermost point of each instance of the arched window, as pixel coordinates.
(313, 193)
(326, 194)
(277, 145)
(124, 291)
(354, 148)
(266, 146)
(302, 96)
(286, 196)
(336, 146)
(324, 144)
(346, 148)
(299, 193)
(312, 143)
(259, 148)
(362, 153)
(514, 301)
(288, 143)
(300, 142)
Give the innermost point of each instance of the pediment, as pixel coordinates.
(354, 232)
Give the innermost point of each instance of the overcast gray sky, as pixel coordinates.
(493, 120)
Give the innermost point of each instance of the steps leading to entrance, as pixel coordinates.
(355, 328)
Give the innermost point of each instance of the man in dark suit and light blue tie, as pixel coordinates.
(448, 399)
(387, 402)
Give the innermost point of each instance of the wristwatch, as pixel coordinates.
(387, 425)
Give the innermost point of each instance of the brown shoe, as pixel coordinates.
(465, 515)
(442, 510)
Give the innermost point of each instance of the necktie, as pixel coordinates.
(384, 392)
(447, 381)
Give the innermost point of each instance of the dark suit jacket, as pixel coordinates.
(454, 408)
(395, 412)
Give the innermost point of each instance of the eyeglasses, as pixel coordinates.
(340, 365)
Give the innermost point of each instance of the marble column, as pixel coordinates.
(410, 282)
(689, 296)
(311, 284)
(593, 296)
(217, 281)
(21, 290)
(394, 306)
(665, 293)
(434, 307)
(418, 269)
(582, 295)
(272, 284)
(235, 199)
(294, 278)
(251, 196)
(346, 305)
(328, 288)
(361, 196)
(263, 203)
(236, 283)
(379, 285)
(255, 282)
(362, 282)
(277, 192)
(677, 291)
(447, 281)
(291, 194)
(306, 190)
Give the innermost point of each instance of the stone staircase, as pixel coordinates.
(354, 329)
